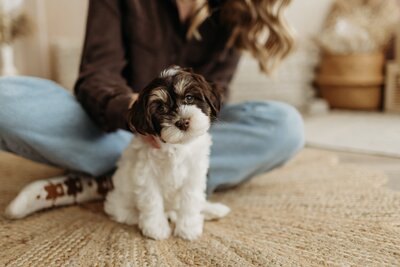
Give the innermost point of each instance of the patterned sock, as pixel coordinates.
(58, 191)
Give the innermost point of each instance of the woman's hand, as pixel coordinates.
(134, 97)
(151, 140)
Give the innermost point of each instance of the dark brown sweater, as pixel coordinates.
(127, 44)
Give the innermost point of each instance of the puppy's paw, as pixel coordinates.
(157, 229)
(189, 228)
(214, 211)
(124, 216)
(118, 210)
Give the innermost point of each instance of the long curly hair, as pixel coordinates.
(258, 26)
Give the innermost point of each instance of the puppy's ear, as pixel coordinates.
(139, 118)
(213, 95)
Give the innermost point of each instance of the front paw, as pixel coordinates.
(214, 211)
(157, 229)
(189, 228)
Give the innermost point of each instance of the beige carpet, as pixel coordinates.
(311, 212)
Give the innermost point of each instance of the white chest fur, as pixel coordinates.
(151, 185)
(171, 166)
(149, 179)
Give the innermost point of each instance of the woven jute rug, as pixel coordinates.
(311, 212)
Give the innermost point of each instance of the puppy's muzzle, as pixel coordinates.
(183, 124)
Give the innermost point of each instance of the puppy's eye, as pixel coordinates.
(189, 99)
(161, 108)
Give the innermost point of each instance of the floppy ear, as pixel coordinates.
(139, 118)
(213, 95)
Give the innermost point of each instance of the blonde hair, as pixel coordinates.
(258, 26)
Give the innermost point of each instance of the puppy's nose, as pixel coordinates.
(183, 124)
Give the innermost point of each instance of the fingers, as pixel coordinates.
(133, 99)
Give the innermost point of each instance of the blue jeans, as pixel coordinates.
(41, 121)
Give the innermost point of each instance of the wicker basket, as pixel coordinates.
(352, 81)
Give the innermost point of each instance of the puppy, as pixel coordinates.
(153, 185)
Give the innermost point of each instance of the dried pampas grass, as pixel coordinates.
(358, 26)
(14, 27)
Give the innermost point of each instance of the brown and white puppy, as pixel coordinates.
(163, 106)
(152, 185)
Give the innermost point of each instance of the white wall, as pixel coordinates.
(53, 20)
(307, 16)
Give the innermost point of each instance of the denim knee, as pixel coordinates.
(6, 92)
(289, 128)
(16, 94)
(10, 90)
(18, 102)
(283, 125)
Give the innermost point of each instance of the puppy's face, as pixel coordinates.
(177, 106)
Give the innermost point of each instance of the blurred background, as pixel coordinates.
(344, 74)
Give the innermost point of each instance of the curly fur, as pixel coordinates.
(154, 185)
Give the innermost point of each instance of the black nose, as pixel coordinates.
(183, 124)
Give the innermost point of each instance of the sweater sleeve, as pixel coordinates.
(101, 88)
